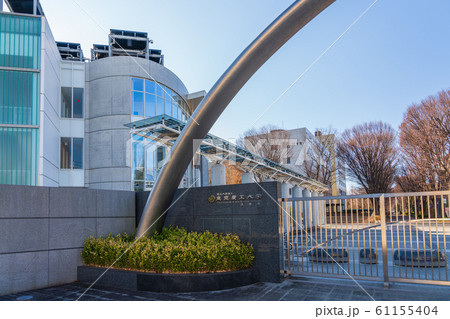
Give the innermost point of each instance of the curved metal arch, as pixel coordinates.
(224, 90)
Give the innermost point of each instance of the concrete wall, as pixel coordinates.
(42, 230)
(255, 221)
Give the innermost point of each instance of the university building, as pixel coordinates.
(107, 121)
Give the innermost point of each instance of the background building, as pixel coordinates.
(308, 154)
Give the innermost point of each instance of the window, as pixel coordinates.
(288, 160)
(71, 153)
(72, 102)
(149, 99)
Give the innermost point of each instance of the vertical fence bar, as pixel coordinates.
(353, 236)
(431, 237)
(423, 235)
(297, 225)
(384, 242)
(358, 225)
(302, 217)
(417, 231)
(376, 242)
(321, 223)
(327, 229)
(307, 240)
(364, 232)
(437, 236)
(392, 241)
(342, 237)
(410, 234)
(443, 229)
(398, 231)
(404, 235)
(281, 236)
(347, 236)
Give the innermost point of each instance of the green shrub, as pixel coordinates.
(174, 250)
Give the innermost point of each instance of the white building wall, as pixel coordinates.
(49, 109)
(73, 75)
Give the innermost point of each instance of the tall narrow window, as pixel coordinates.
(66, 100)
(71, 153)
(66, 152)
(72, 102)
(77, 146)
(77, 103)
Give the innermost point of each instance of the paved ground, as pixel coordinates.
(298, 289)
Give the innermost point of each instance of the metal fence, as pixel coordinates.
(386, 237)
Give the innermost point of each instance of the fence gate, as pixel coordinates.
(386, 237)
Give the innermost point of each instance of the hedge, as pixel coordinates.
(174, 250)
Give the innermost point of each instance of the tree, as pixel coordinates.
(269, 142)
(425, 143)
(370, 152)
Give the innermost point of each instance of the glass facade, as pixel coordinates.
(19, 98)
(149, 98)
(18, 156)
(20, 41)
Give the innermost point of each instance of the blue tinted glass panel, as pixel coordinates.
(174, 110)
(78, 103)
(159, 106)
(150, 105)
(137, 84)
(159, 90)
(138, 103)
(138, 161)
(20, 41)
(77, 153)
(149, 87)
(18, 156)
(168, 94)
(19, 97)
(168, 109)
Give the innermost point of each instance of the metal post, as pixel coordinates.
(35, 4)
(384, 243)
(110, 46)
(147, 49)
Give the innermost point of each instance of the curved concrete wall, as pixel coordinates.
(108, 108)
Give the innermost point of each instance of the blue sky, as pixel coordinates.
(397, 54)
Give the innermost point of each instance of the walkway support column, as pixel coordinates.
(218, 174)
(247, 178)
(229, 84)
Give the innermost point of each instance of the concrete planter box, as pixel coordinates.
(144, 281)
(420, 258)
(320, 255)
(368, 256)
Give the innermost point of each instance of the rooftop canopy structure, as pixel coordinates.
(127, 43)
(166, 129)
(25, 6)
(70, 51)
